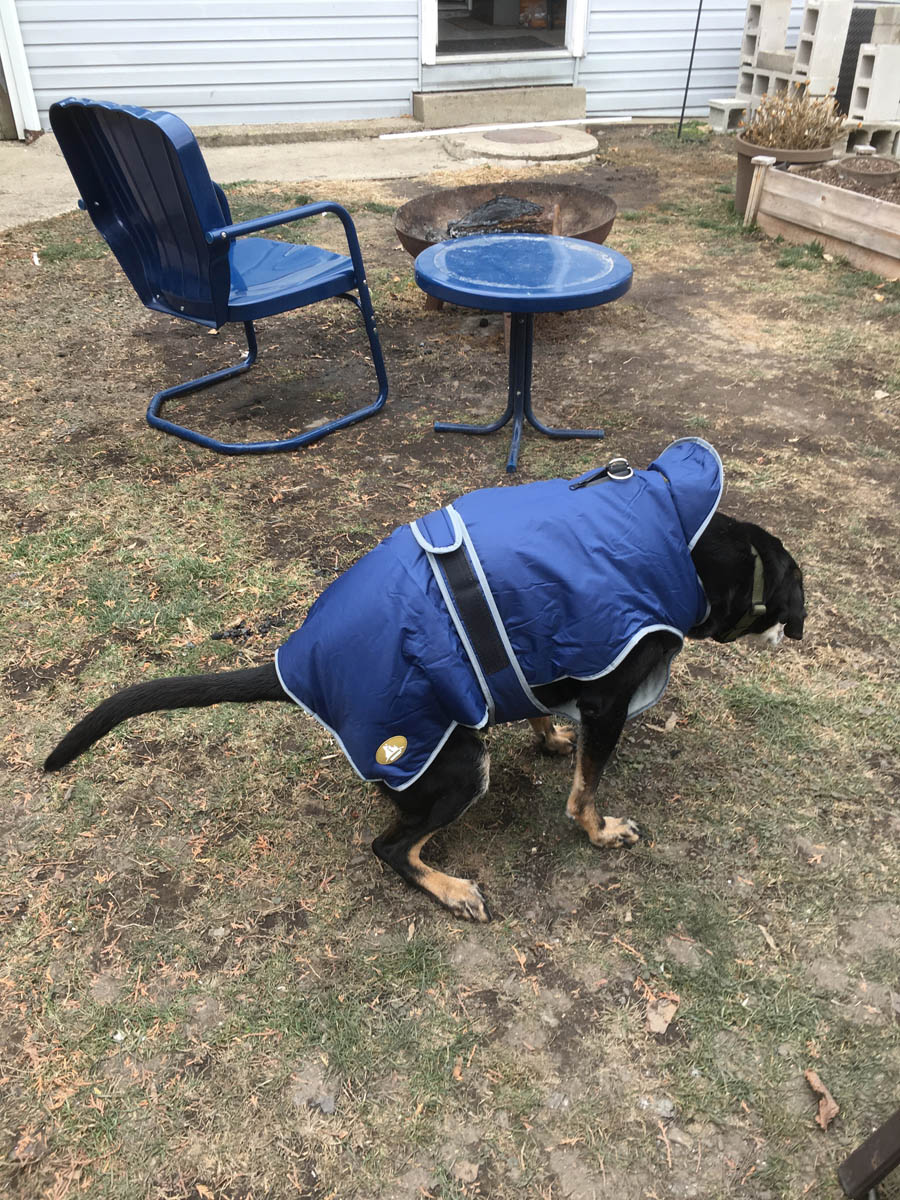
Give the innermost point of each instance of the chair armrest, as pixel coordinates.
(283, 218)
(229, 232)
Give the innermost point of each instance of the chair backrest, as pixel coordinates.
(145, 185)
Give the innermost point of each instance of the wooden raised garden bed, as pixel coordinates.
(863, 229)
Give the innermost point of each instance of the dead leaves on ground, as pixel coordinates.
(828, 1108)
(661, 1008)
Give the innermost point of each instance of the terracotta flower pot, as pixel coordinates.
(747, 151)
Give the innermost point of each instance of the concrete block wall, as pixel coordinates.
(725, 116)
(820, 43)
(886, 27)
(882, 136)
(767, 67)
(760, 83)
(765, 28)
(765, 63)
(876, 86)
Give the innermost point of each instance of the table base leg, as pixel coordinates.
(518, 406)
(454, 427)
(552, 431)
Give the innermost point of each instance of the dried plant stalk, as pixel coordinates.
(794, 120)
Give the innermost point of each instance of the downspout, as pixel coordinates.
(15, 69)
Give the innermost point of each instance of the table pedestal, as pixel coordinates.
(518, 404)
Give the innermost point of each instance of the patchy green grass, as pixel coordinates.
(86, 244)
(210, 985)
(808, 257)
(692, 133)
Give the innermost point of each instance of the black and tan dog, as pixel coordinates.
(754, 588)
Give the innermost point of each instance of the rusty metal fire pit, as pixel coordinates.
(581, 212)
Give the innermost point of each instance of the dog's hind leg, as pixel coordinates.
(454, 781)
(555, 739)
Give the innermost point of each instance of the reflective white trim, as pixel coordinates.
(640, 698)
(495, 613)
(309, 711)
(570, 709)
(429, 547)
(401, 787)
(623, 654)
(374, 778)
(714, 452)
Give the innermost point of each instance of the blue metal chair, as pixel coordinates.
(145, 186)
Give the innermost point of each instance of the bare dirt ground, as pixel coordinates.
(209, 987)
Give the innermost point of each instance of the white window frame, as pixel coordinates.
(577, 12)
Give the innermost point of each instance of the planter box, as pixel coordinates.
(862, 229)
(747, 153)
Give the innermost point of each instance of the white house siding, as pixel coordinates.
(637, 55)
(228, 62)
(539, 70)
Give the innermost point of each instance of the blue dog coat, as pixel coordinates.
(568, 575)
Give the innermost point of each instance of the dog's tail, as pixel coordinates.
(184, 691)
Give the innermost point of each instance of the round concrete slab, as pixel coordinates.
(521, 137)
(543, 143)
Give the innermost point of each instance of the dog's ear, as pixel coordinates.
(724, 560)
(785, 601)
(724, 563)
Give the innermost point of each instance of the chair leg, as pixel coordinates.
(363, 303)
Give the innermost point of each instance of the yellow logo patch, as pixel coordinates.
(392, 749)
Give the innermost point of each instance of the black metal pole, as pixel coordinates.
(690, 67)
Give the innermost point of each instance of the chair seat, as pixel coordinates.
(269, 277)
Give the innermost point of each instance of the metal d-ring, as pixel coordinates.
(618, 468)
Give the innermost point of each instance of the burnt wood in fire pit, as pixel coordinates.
(439, 216)
(502, 214)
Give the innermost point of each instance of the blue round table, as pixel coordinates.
(522, 274)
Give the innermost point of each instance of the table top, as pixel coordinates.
(523, 272)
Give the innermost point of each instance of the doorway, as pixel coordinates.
(472, 27)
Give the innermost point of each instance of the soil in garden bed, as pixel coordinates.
(835, 176)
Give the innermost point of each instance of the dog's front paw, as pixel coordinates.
(464, 899)
(618, 833)
(473, 906)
